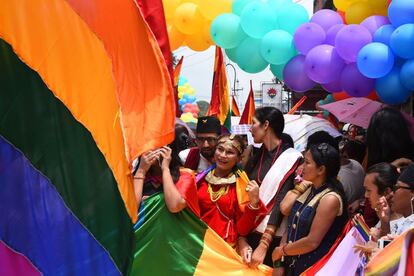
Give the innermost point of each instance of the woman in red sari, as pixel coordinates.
(222, 195)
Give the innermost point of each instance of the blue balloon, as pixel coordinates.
(390, 89)
(383, 34)
(375, 60)
(401, 12)
(402, 41)
(248, 56)
(182, 102)
(257, 19)
(191, 99)
(226, 31)
(182, 80)
(407, 74)
(186, 97)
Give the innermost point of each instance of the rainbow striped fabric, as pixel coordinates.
(181, 244)
(84, 90)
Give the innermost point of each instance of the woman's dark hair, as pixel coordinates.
(320, 137)
(326, 155)
(287, 139)
(181, 134)
(388, 137)
(387, 176)
(274, 116)
(179, 144)
(354, 150)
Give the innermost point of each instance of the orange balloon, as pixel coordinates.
(357, 12)
(176, 37)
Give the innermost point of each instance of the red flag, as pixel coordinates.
(220, 98)
(248, 112)
(234, 108)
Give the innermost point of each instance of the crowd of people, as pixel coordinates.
(280, 207)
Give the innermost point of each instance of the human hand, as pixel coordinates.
(383, 210)
(365, 249)
(245, 250)
(252, 190)
(165, 153)
(147, 160)
(278, 271)
(277, 253)
(259, 255)
(402, 162)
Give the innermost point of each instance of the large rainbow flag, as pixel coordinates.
(84, 89)
(181, 244)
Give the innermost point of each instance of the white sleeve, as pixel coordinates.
(183, 155)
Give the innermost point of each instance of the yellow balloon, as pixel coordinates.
(357, 12)
(181, 89)
(176, 37)
(383, 12)
(169, 8)
(180, 95)
(187, 18)
(202, 40)
(378, 4)
(343, 4)
(211, 9)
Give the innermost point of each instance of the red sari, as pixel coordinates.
(224, 216)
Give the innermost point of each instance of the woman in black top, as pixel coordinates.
(267, 128)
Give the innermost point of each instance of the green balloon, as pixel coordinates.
(248, 56)
(277, 47)
(277, 70)
(290, 16)
(226, 31)
(258, 18)
(238, 6)
(232, 54)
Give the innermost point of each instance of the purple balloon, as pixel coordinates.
(326, 19)
(332, 32)
(373, 23)
(294, 75)
(308, 36)
(333, 87)
(354, 83)
(323, 64)
(350, 40)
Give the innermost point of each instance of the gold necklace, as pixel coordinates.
(216, 180)
(214, 196)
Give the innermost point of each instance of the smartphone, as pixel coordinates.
(383, 243)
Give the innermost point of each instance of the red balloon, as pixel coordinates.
(373, 96)
(342, 14)
(340, 96)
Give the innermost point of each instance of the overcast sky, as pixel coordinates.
(198, 69)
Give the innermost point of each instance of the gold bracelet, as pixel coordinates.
(253, 208)
(264, 242)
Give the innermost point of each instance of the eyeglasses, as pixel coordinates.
(210, 140)
(395, 188)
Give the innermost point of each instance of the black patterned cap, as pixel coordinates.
(208, 124)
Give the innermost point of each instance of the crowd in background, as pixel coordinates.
(281, 207)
